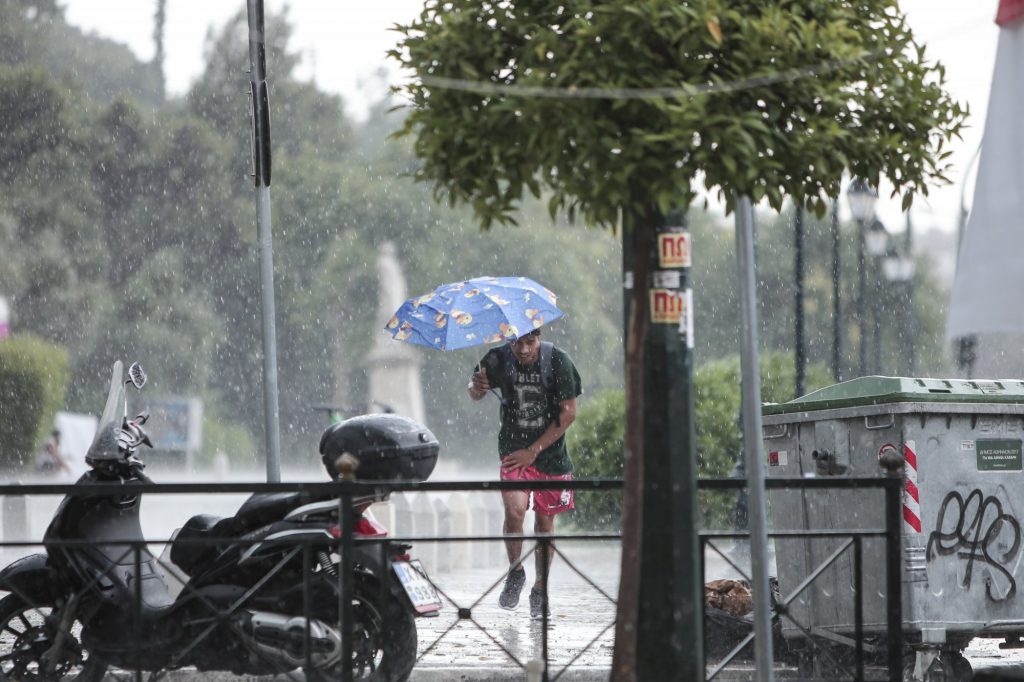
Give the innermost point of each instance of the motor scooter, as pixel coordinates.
(241, 594)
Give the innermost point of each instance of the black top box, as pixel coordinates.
(386, 446)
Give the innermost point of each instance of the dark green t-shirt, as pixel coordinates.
(531, 409)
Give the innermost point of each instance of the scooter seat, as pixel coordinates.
(187, 556)
(259, 510)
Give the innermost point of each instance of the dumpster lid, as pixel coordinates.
(876, 390)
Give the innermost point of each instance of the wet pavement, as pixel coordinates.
(581, 623)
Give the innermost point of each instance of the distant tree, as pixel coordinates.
(33, 117)
(772, 99)
(717, 315)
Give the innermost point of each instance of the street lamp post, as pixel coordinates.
(798, 303)
(898, 269)
(862, 198)
(837, 337)
(875, 240)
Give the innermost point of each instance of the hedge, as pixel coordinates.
(596, 438)
(33, 384)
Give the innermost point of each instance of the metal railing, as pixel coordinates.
(892, 487)
(347, 491)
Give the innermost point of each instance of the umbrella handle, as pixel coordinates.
(491, 390)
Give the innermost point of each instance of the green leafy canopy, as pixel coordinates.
(769, 99)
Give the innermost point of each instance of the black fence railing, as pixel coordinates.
(821, 642)
(335, 640)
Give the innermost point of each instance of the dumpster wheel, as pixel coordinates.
(948, 666)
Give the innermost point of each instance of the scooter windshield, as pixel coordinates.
(104, 445)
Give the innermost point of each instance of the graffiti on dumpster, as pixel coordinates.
(976, 525)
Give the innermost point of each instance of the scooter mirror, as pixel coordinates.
(137, 375)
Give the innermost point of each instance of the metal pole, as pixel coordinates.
(837, 338)
(752, 446)
(893, 564)
(876, 314)
(798, 302)
(862, 319)
(908, 247)
(261, 178)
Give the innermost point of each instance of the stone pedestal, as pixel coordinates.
(393, 367)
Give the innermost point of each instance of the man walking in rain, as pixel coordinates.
(538, 386)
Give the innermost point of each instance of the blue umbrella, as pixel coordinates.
(474, 311)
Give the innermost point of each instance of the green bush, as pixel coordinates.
(596, 439)
(230, 438)
(33, 383)
(717, 398)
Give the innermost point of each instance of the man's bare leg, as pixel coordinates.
(515, 502)
(543, 524)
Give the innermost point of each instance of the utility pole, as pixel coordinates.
(261, 178)
(669, 643)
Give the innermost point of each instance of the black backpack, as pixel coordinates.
(509, 378)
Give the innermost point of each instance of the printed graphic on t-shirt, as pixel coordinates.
(530, 410)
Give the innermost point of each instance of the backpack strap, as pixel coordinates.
(546, 348)
(547, 380)
(508, 378)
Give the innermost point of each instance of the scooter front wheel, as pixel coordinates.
(27, 653)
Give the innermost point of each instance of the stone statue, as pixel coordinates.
(393, 368)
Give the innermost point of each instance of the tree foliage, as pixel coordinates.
(128, 231)
(769, 99)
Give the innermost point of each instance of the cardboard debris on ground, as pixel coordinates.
(731, 596)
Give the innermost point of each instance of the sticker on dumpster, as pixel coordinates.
(967, 445)
(999, 455)
(777, 458)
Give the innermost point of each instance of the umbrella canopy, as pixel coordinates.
(474, 311)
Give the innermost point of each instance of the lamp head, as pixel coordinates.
(862, 198)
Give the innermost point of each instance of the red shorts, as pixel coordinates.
(547, 502)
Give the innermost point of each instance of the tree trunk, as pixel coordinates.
(624, 657)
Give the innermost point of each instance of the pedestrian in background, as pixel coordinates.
(49, 458)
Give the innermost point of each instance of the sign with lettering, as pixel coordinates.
(998, 455)
(674, 250)
(667, 306)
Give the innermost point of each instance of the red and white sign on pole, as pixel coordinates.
(674, 250)
(5, 318)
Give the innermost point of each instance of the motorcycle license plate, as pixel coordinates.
(414, 581)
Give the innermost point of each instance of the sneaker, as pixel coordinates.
(509, 598)
(537, 606)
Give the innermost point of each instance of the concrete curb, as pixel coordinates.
(450, 674)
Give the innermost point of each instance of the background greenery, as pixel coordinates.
(128, 229)
(33, 383)
(596, 438)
